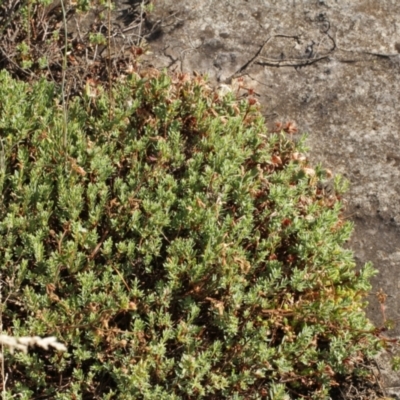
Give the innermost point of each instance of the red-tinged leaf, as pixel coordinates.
(276, 160)
(290, 127)
(286, 222)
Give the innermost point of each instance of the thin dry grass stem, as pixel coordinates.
(111, 109)
(24, 342)
(64, 72)
(142, 5)
(2, 157)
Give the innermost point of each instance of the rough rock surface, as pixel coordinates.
(332, 66)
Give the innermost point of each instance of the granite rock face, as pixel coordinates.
(333, 67)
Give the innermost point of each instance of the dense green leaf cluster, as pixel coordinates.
(179, 249)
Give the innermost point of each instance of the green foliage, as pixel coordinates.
(97, 38)
(179, 249)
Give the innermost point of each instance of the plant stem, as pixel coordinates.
(110, 95)
(64, 71)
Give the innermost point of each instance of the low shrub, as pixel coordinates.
(177, 247)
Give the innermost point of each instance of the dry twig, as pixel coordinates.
(24, 342)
